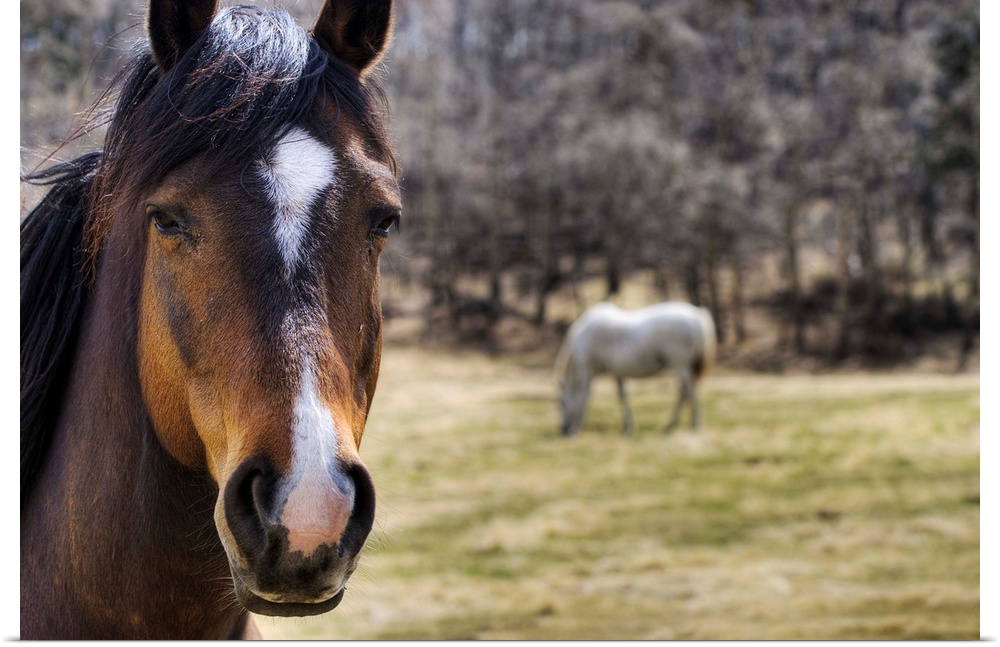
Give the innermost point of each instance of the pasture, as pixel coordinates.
(807, 507)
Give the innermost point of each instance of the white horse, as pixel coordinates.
(636, 343)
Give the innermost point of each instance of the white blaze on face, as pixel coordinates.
(320, 496)
(295, 173)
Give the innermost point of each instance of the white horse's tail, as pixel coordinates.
(707, 358)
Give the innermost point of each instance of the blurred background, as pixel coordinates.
(806, 169)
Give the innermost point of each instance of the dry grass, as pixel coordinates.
(834, 507)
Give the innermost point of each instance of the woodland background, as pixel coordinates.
(807, 169)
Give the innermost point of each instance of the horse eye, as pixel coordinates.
(384, 225)
(166, 224)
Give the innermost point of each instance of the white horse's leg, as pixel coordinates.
(695, 408)
(681, 397)
(627, 422)
(687, 394)
(582, 396)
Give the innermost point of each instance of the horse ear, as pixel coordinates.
(174, 25)
(355, 31)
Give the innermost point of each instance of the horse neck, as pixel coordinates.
(125, 531)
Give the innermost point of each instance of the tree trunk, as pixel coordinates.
(712, 274)
(738, 298)
(868, 255)
(970, 327)
(495, 233)
(548, 274)
(661, 284)
(904, 229)
(612, 248)
(613, 275)
(692, 280)
(440, 273)
(794, 278)
(843, 310)
(501, 28)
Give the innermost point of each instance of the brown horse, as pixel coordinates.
(201, 331)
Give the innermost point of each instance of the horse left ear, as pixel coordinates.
(355, 31)
(174, 25)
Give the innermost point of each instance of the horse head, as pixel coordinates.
(265, 188)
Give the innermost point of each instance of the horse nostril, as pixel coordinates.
(246, 500)
(363, 514)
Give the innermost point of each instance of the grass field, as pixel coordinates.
(808, 507)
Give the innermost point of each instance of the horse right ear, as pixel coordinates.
(174, 25)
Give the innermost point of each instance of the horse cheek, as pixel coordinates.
(162, 370)
(371, 347)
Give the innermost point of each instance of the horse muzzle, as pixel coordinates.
(291, 551)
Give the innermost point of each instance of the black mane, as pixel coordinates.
(248, 79)
(53, 295)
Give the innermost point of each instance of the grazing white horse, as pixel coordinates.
(634, 343)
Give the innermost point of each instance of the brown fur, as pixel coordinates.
(176, 382)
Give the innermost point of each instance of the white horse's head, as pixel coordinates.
(572, 396)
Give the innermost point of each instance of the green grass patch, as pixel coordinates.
(840, 507)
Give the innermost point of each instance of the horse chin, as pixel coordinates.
(257, 604)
